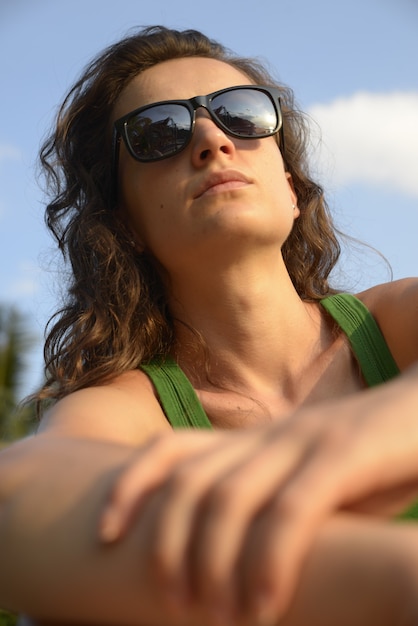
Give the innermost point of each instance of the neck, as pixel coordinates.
(255, 328)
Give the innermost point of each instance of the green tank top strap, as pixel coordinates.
(367, 342)
(183, 409)
(370, 348)
(176, 394)
(181, 404)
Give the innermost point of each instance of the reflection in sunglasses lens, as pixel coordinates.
(246, 112)
(164, 129)
(159, 131)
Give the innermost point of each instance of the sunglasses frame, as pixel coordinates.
(192, 104)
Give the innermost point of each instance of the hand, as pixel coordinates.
(233, 514)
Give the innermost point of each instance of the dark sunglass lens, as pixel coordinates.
(159, 131)
(246, 112)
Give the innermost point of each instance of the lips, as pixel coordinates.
(221, 181)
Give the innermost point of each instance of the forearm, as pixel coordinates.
(54, 568)
(359, 572)
(52, 565)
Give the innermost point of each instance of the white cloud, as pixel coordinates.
(8, 152)
(371, 138)
(26, 282)
(23, 288)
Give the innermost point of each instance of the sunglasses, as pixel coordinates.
(163, 129)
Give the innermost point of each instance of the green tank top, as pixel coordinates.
(183, 409)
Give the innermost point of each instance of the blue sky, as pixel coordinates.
(353, 66)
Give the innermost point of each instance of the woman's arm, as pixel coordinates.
(359, 572)
(51, 492)
(260, 496)
(395, 308)
(53, 567)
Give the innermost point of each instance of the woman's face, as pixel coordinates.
(178, 208)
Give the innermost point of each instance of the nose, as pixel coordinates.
(209, 141)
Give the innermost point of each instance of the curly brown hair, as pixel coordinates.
(116, 314)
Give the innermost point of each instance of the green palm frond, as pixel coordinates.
(15, 341)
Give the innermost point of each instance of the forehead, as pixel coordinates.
(178, 79)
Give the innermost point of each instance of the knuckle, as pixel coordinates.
(287, 506)
(186, 479)
(221, 498)
(179, 481)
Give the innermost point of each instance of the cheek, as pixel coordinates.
(132, 191)
(146, 206)
(276, 182)
(269, 160)
(278, 185)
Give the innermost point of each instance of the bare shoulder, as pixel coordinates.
(395, 307)
(125, 410)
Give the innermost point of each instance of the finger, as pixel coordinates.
(388, 503)
(180, 510)
(229, 509)
(147, 469)
(295, 485)
(276, 547)
(282, 534)
(145, 533)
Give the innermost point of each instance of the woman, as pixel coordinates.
(200, 250)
